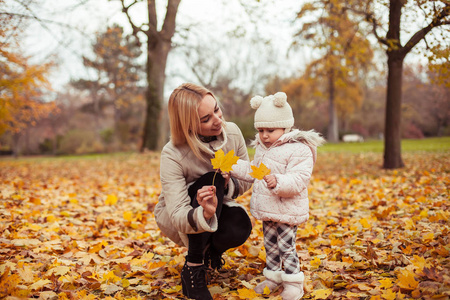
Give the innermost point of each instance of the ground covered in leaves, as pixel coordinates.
(83, 228)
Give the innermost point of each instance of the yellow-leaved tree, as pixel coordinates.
(21, 84)
(344, 56)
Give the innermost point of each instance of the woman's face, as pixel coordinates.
(210, 117)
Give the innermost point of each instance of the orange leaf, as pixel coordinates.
(247, 294)
(406, 280)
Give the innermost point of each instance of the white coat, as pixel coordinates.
(291, 159)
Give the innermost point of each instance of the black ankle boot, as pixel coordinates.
(214, 259)
(193, 281)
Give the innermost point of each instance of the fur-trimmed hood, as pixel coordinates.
(311, 138)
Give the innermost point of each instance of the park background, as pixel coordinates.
(76, 210)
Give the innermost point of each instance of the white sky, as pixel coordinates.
(47, 40)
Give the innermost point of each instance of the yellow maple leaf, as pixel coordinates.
(110, 277)
(364, 223)
(322, 293)
(260, 172)
(386, 283)
(406, 280)
(128, 216)
(419, 262)
(247, 293)
(266, 290)
(389, 295)
(428, 237)
(315, 262)
(224, 162)
(111, 199)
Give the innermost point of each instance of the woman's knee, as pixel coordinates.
(234, 228)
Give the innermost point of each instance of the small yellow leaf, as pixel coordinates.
(247, 293)
(364, 223)
(259, 172)
(171, 290)
(34, 227)
(59, 270)
(386, 283)
(39, 284)
(428, 237)
(315, 262)
(110, 277)
(128, 215)
(224, 162)
(50, 218)
(111, 199)
(419, 262)
(266, 290)
(321, 293)
(125, 283)
(389, 295)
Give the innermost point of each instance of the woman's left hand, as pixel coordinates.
(206, 198)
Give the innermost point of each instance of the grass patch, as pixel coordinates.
(93, 156)
(441, 144)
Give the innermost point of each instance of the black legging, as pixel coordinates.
(234, 224)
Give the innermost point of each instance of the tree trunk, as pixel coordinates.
(396, 54)
(159, 44)
(392, 129)
(333, 132)
(156, 65)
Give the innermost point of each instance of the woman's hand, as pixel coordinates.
(271, 181)
(206, 198)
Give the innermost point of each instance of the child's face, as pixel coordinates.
(270, 135)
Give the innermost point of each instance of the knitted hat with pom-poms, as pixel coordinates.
(272, 111)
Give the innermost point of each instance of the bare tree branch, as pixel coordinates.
(125, 9)
(168, 28)
(439, 20)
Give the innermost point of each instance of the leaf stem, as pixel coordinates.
(215, 176)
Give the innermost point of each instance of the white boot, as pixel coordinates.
(293, 286)
(273, 280)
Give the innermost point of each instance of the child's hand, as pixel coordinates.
(226, 176)
(271, 181)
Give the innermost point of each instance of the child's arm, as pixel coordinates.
(297, 176)
(241, 170)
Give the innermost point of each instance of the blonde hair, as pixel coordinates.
(184, 119)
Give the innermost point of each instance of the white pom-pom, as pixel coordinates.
(280, 99)
(255, 102)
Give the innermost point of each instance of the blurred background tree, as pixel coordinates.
(22, 85)
(404, 17)
(345, 56)
(116, 85)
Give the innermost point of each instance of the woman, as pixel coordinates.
(191, 211)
